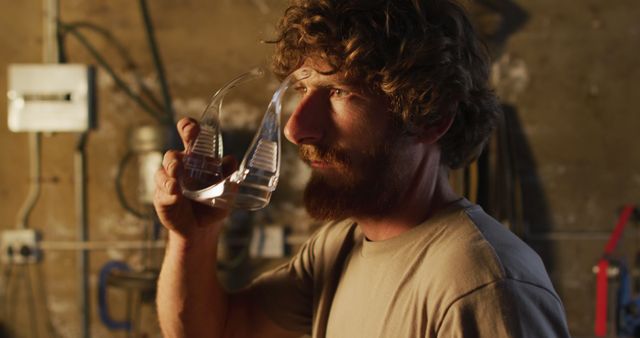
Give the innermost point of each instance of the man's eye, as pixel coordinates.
(337, 92)
(300, 89)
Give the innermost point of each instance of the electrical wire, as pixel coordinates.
(150, 239)
(50, 13)
(158, 115)
(34, 181)
(124, 54)
(137, 314)
(31, 302)
(42, 293)
(8, 273)
(129, 311)
(155, 260)
(120, 190)
(82, 230)
(155, 110)
(12, 302)
(148, 24)
(7, 313)
(72, 28)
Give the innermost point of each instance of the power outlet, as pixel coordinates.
(20, 246)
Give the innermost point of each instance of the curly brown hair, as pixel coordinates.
(423, 54)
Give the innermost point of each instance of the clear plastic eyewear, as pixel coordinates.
(250, 187)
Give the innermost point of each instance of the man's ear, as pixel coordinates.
(434, 131)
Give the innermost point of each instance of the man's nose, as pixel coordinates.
(306, 124)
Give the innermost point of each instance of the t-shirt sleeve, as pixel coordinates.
(286, 292)
(505, 308)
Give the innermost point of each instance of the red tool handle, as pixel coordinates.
(603, 265)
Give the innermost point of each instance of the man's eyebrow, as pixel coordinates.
(326, 84)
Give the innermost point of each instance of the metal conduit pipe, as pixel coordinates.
(34, 181)
(80, 169)
(137, 245)
(100, 245)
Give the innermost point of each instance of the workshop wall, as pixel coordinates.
(203, 44)
(570, 79)
(566, 71)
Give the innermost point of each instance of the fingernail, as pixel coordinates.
(187, 125)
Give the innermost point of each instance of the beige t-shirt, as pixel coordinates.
(459, 274)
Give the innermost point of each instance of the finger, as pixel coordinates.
(170, 156)
(229, 165)
(172, 163)
(162, 201)
(166, 184)
(188, 130)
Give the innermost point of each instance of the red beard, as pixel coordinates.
(357, 184)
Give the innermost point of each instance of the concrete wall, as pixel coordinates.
(579, 119)
(570, 73)
(203, 45)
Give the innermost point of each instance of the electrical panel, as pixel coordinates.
(50, 97)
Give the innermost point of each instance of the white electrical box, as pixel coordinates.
(19, 246)
(50, 97)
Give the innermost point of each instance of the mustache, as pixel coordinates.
(314, 153)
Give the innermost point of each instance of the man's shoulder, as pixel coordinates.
(493, 274)
(474, 250)
(518, 261)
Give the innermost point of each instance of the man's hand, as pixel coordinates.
(176, 212)
(191, 301)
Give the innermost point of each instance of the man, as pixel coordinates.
(399, 96)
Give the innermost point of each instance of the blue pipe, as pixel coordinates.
(103, 306)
